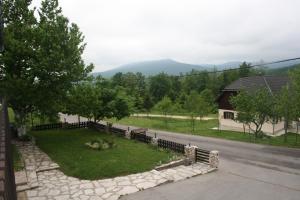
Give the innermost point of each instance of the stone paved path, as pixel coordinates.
(51, 184)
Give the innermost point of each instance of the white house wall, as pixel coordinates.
(229, 124)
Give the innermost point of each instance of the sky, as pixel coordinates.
(119, 32)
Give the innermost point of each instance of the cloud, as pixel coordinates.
(194, 31)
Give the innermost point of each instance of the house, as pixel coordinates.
(227, 113)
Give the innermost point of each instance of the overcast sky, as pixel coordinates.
(118, 32)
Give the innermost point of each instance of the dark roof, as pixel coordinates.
(251, 83)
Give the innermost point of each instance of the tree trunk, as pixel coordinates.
(244, 128)
(285, 130)
(78, 118)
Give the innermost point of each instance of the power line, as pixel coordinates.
(248, 67)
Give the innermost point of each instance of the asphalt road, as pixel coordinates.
(246, 171)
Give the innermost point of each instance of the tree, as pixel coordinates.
(159, 86)
(244, 70)
(253, 107)
(165, 106)
(287, 107)
(148, 103)
(191, 105)
(42, 58)
(244, 107)
(210, 99)
(295, 87)
(197, 105)
(82, 99)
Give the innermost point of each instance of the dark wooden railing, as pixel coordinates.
(7, 177)
(117, 131)
(141, 137)
(59, 125)
(202, 155)
(177, 147)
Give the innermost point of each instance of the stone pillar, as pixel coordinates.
(128, 134)
(214, 159)
(189, 152)
(154, 141)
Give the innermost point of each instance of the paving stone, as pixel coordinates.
(128, 190)
(99, 191)
(145, 185)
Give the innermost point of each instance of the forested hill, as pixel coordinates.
(167, 66)
(171, 67)
(282, 70)
(154, 67)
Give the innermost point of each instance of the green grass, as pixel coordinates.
(66, 147)
(203, 128)
(18, 164)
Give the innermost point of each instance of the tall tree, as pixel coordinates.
(254, 107)
(166, 107)
(42, 58)
(244, 69)
(160, 86)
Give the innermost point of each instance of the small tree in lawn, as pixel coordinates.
(197, 105)
(255, 108)
(295, 87)
(166, 107)
(244, 107)
(287, 107)
(148, 103)
(191, 105)
(122, 106)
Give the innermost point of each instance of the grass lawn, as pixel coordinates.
(67, 148)
(203, 128)
(18, 164)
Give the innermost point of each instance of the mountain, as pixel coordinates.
(166, 65)
(175, 68)
(282, 70)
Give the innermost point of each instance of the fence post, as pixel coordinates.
(154, 141)
(128, 134)
(190, 153)
(214, 159)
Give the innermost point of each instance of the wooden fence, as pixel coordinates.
(141, 137)
(202, 155)
(60, 125)
(7, 177)
(177, 147)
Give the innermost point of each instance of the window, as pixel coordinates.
(228, 115)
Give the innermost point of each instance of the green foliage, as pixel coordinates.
(253, 107)
(95, 98)
(165, 105)
(159, 86)
(42, 58)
